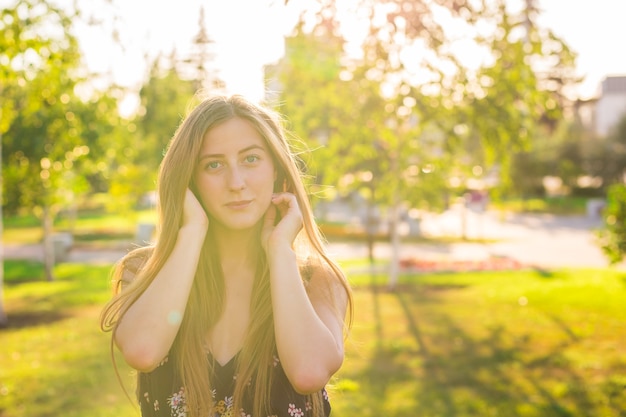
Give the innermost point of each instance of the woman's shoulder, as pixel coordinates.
(131, 264)
(318, 273)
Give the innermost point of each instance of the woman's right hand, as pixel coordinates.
(193, 212)
(151, 322)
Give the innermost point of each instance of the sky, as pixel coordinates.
(248, 34)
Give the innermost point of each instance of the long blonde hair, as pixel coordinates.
(206, 299)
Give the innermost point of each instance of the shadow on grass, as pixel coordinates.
(543, 272)
(32, 301)
(78, 378)
(446, 364)
(24, 319)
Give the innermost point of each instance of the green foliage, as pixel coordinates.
(42, 139)
(106, 134)
(57, 146)
(561, 155)
(613, 236)
(312, 98)
(340, 112)
(135, 160)
(514, 104)
(165, 99)
(394, 137)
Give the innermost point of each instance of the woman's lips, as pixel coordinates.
(238, 205)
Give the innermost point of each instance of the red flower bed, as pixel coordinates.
(494, 263)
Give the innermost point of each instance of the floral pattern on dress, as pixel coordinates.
(155, 405)
(223, 408)
(162, 394)
(295, 412)
(177, 403)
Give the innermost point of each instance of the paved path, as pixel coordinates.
(538, 240)
(35, 252)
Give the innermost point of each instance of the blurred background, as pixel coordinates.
(466, 162)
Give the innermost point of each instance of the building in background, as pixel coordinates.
(611, 105)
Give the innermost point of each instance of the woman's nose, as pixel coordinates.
(236, 179)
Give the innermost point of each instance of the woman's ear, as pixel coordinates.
(194, 189)
(279, 183)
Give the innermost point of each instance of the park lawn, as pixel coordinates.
(560, 205)
(91, 227)
(523, 343)
(54, 358)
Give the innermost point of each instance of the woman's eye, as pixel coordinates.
(212, 165)
(252, 159)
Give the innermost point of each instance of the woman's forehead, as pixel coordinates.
(232, 135)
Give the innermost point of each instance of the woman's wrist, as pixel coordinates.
(191, 231)
(280, 252)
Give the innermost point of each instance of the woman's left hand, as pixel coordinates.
(285, 231)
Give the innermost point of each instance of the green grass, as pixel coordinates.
(524, 343)
(565, 205)
(54, 359)
(90, 227)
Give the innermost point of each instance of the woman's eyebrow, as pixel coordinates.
(244, 150)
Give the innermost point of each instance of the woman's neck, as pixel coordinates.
(238, 249)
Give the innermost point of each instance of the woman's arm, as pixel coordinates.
(308, 326)
(147, 330)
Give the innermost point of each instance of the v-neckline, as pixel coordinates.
(227, 363)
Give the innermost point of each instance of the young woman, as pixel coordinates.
(236, 310)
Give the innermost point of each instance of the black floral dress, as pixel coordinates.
(162, 395)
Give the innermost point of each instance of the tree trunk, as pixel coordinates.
(371, 227)
(463, 214)
(72, 214)
(4, 320)
(394, 267)
(48, 243)
(370, 245)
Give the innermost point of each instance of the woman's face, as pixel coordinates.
(235, 174)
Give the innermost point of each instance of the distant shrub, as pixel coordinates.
(587, 192)
(613, 236)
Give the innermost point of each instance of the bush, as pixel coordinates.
(613, 236)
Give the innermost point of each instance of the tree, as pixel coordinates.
(32, 54)
(612, 239)
(51, 130)
(311, 95)
(196, 66)
(614, 167)
(317, 102)
(339, 109)
(413, 115)
(485, 113)
(164, 99)
(518, 98)
(44, 141)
